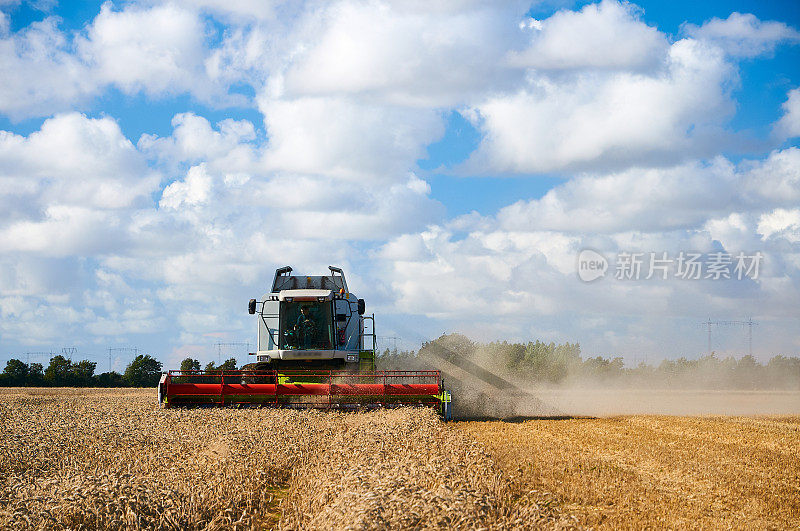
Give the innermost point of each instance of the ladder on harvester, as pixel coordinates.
(366, 357)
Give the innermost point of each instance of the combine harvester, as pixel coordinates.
(311, 354)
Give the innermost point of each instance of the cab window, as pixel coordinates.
(306, 325)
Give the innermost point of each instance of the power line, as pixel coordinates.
(29, 355)
(749, 324)
(121, 349)
(392, 338)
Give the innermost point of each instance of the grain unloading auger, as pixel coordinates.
(311, 354)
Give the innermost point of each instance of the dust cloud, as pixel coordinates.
(482, 387)
(473, 400)
(700, 390)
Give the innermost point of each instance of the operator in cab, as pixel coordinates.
(305, 327)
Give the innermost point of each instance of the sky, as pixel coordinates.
(159, 160)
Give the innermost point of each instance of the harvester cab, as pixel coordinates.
(314, 322)
(314, 351)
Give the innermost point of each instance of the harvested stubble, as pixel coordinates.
(642, 472)
(115, 460)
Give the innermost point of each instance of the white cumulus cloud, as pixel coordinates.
(604, 35)
(606, 119)
(345, 138)
(41, 74)
(72, 160)
(164, 238)
(158, 50)
(404, 55)
(743, 34)
(789, 124)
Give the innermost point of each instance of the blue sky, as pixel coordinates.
(763, 86)
(165, 157)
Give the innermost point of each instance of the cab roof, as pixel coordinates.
(305, 294)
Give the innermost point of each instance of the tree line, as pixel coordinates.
(535, 361)
(142, 371)
(556, 364)
(189, 364)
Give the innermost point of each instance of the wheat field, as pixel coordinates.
(654, 471)
(112, 459)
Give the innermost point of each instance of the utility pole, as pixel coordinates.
(69, 351)
(749, 324)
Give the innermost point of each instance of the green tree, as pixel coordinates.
(190, 364)
(784, 372)
(228, 365)
(143, 371)
(210, 367)
(35, 375)
(16, 373)
(450, 347)
(748, 373)
(83, 373)
(59, 372)
(110, 379)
